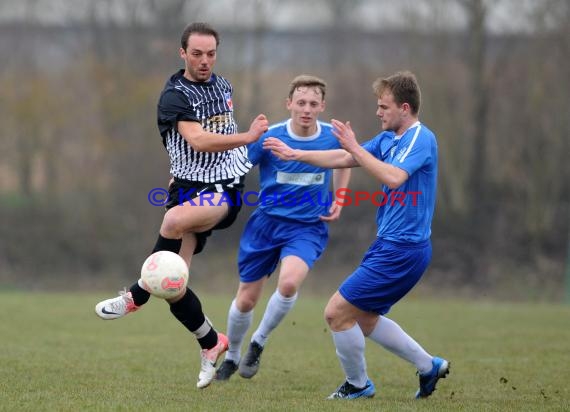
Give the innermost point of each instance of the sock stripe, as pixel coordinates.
(202, 330)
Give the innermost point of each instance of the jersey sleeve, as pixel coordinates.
(173, 107)
(372, 146)
(334, 144)
(255, 151)
(417, 152)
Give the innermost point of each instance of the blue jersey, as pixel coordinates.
(289, 189)
(406, 213)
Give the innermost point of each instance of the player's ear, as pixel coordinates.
(288, 103)
(182, 53)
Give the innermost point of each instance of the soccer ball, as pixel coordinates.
(164, 274)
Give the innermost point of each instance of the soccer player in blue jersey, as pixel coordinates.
(207, 156)
(403, 158)
(289, 226)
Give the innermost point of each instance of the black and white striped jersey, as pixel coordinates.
(209, 103)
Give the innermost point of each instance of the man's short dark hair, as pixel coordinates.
(200, 28)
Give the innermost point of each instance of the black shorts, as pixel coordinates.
(191, 190)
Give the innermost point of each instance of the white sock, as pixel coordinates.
(392, 337)
(350, 351)
(238, 324)
(277, 307)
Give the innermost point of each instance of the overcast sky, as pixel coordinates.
(504, 15)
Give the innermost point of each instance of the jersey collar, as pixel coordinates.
(302, 138)
(417, 123)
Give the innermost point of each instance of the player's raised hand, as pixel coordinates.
(279, 149)
(345, 135)
(258, 126)
(334, 213)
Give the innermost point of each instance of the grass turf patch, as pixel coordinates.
(57, 355)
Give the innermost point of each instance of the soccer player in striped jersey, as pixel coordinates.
(288, 227)
(403, 158)
(208, 158)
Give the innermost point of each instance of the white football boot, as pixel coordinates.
(118, 307)
(209, 359)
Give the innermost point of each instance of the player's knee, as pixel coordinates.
(170, 227)
(330, 316)
(288, 289)
(245, 303)
(338, 319)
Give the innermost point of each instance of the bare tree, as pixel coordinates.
(477, 12)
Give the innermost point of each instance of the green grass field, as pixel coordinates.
(58, 356)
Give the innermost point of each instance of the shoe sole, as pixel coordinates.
(364, 395)
(351, 398)
(368, 393)
(247, 374)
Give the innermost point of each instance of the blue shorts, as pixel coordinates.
(267, 239)
(387, 272)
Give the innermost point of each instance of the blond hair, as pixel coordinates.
(305, 80)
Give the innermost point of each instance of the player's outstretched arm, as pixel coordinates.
(203, 141)
(331, 159)
(387, 174)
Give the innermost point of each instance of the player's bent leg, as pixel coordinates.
(238, 323)
(194, 218)
(188, 311)
(240, 317)
(341, 314)
(189, 243)
(177, 222)
(293, 271)
(349, 342)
